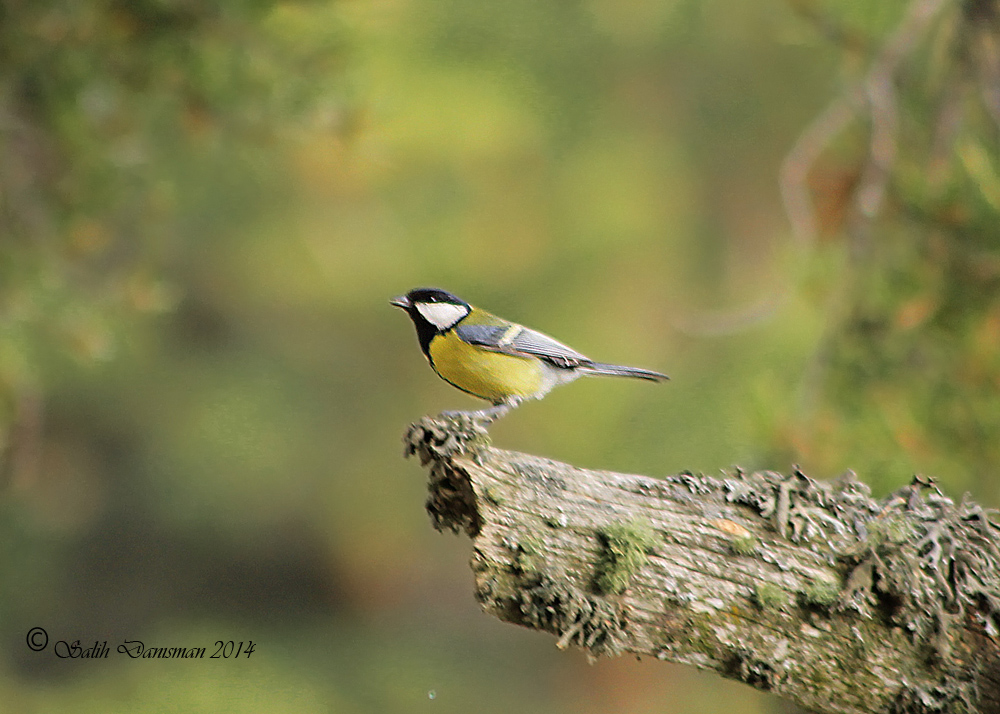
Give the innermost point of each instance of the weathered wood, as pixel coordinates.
(813, 591)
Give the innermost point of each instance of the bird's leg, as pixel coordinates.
(488, 415)
(491, 414)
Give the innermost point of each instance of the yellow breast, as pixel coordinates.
(488, 375)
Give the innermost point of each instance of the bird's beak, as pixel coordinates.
(400, 301)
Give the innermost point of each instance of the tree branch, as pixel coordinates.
(811, 590)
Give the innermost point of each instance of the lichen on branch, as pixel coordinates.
(812, 590)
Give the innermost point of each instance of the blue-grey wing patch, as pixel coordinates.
(485, 335)
(518, 340)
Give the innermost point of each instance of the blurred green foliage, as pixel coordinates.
(105, 106)
(204, 207)
(906, 377)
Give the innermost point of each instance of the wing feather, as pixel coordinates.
(522, 341)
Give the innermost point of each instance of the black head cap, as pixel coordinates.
(427, 295)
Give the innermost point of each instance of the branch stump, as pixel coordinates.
(811, 590)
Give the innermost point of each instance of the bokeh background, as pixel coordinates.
(206, 205)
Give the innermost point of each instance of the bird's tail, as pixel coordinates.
(618, 370)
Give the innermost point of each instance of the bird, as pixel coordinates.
(494, 359)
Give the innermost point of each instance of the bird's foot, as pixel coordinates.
(481, 417)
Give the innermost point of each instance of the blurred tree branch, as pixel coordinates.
(873, 98)
(813, 591)
(900, 169)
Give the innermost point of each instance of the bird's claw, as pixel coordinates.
(481, 417)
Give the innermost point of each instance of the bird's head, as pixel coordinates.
(432, 308)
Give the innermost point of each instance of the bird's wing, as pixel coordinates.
(521, 341)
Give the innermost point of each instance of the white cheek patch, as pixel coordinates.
(442, 314)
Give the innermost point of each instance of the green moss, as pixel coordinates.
(769, 596)
(499, 587)
(478, 445)
(820, 592)
(626, 546)
(743, 544)
(529, 558)
(494, 496)
(699, 632)
(893, 529)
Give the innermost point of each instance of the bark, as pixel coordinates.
(813, 591)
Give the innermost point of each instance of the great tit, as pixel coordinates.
(493, 359)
